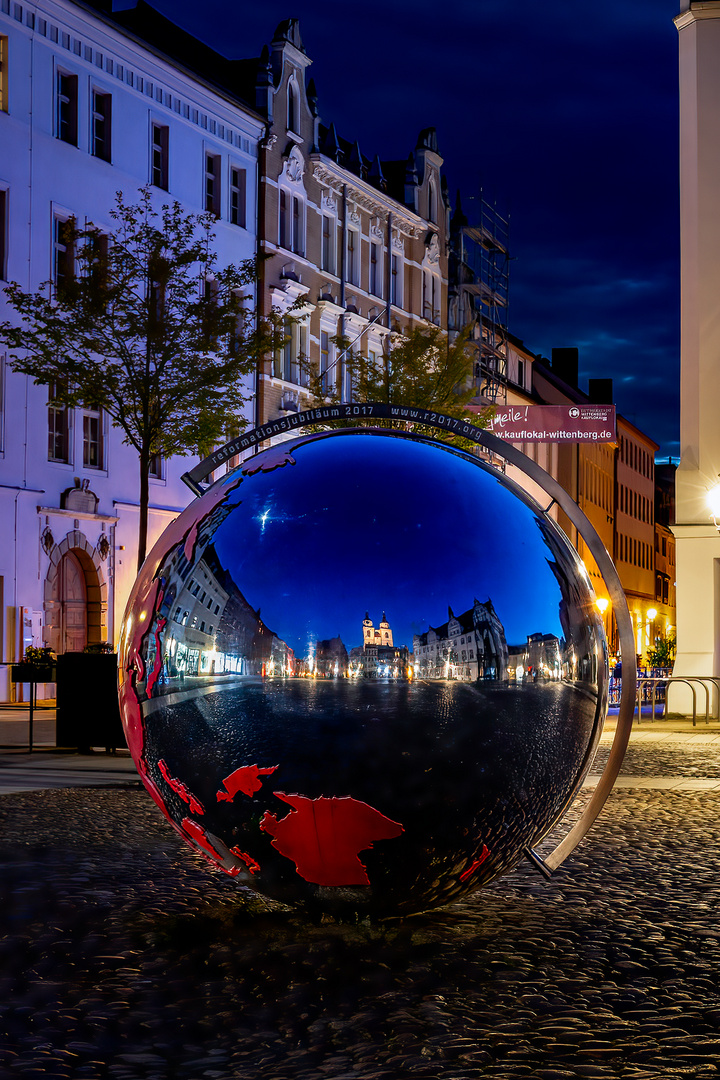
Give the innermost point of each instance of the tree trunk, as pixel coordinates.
(144, 500)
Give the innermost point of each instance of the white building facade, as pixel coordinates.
(86, 110)
(697, 537)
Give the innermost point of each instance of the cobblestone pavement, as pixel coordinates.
(125, 957)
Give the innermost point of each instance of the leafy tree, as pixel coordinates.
(146, 327)
(422, 369)
(663, 654)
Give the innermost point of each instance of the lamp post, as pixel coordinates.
(602, 604)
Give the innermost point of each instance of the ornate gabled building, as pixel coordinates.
(468, 647)
(353, 247)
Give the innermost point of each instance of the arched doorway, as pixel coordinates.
(76, 596)
(71, 598)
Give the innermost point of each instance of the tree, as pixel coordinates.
(422, 369)
(145, 326)
(663, 653)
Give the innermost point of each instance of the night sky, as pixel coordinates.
(563, 114)
(352, 526)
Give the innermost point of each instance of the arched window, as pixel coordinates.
(292, 106)
(432, 202)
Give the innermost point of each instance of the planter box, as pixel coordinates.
(33, 673)
(87, 701)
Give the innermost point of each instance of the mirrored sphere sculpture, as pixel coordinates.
(362, 673)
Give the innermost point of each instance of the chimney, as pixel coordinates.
(565, 365)
(600, 391)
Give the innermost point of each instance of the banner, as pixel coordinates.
(554, 423)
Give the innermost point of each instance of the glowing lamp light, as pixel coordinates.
(652, 614)
(602, 604)
(713, 501)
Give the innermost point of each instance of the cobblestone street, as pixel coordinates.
(125, 957)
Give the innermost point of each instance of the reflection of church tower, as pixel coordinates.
(368, 630)
(385, 631)
(380, 636)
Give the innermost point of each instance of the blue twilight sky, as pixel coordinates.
(564, 114)
(353, 526)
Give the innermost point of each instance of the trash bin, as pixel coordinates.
(87, 703)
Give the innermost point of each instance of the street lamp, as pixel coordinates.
(602, 604)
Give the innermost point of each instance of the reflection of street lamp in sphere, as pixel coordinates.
(602, 604)
(713, 501)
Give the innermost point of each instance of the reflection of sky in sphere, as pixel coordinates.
(381, 523)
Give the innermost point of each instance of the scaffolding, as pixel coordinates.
(484, 278)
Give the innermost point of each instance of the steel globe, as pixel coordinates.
(363, 673)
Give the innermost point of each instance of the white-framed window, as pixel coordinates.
(159, 155)
(288, 363)
(63, 270)
(66, 107)
(238, 196)
(156, 469)
(396, 279)
(212, 184)
(431, 297)
(93, 439)
(101, 133)
(327, 249)
(328, 360)
(291, 227)
(352, 257)
(59, 428)
(376, 267)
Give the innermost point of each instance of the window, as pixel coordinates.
(327, 261)
(63, 254)
(101, 122)
(325, 374)
(351, 268)
(375, 270)
(521, 372)
(238, 186)
(296, 240)
(58, 428)
(160, 156)
(291, 232)
(395, 282)
(288, 359)
(3, 234)
(3, 74)
(66, 126)
(93, 439)
(156, 466)
(212, 184)
(432, 202)
(292, 106)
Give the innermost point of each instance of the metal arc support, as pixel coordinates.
(369, 411)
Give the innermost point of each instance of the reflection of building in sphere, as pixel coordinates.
(331, 658)
(378, 657)
(468, 647)
(540, 657)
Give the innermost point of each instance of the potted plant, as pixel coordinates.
(36, 666)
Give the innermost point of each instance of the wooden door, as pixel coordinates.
(73, 604)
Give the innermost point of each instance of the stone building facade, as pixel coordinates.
(354, 248)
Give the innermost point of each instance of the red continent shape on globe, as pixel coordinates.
(324, 836)
(245, 779)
